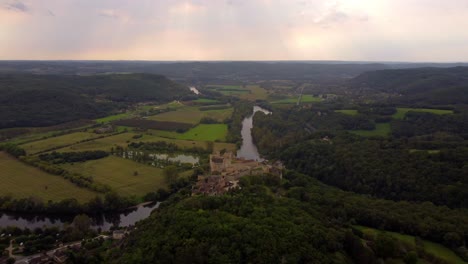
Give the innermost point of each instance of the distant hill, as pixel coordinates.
(41, 100)
(421, 85)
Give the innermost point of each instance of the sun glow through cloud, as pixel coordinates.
(422, 30)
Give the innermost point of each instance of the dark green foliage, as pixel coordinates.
(249, 227)
(418, 86)
(44, 100)
(70, 157)
(152, 124)
(13, 150)
(385, 169)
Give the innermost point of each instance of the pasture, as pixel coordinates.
(381, 129)
(401, 111)
(57, 142)
(118, 173)
(255, 92)
(110, 118)
(205, 101)
(430, 247)
(22, 181)
(192, 115)
(306, 98)
(206, 132)
(347, 112)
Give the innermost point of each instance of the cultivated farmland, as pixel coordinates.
(22, 181)
(118, 173)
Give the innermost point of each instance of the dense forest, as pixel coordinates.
(296, 220)
(417, 86)
(44, 100)
(401, 167)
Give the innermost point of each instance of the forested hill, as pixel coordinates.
(426, 85)
(40, 100)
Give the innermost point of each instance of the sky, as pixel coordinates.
(357, 30)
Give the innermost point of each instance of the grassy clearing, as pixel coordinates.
(205, 132)
(192, 115)
(381, 129)
(233, 90)
(430, 247)
(102, 143)
(55, 142)
(23, 181)
(306, 98)
(429, 151)
(401, 111)
(118, 173)
(347, 112)
(256, 92)
(110, 118)
(205, 100)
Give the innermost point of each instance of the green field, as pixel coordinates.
(430, 247)
(229, 89)
(118, 173)
(55, 142)
(192, 115)
(347, 112)
(205, 100)
(110, 118)
(22, 181)
(205, 132)
(381, 129)
(401, 111)
(306, 98)
(256, 93)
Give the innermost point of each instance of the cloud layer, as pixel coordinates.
(391, 30)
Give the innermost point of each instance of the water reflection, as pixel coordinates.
(248, 149)
(103, 221)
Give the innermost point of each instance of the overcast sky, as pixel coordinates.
(370, 30)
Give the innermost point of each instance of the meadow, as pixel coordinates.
(110, 118)
(22, 181)
(192, 115)
(381, 129)
(401, 111)
(306, 98)
(56, 142)
(430, 247)
(255, 93)
(118, 173)
(206, 132)
(205, 101)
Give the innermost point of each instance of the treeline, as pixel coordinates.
(163, 146)
(153, 124)
(70, 157)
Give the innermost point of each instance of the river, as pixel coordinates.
(194, 90)
(248, 149)
(104, 221)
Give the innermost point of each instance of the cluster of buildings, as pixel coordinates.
(226, 170)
